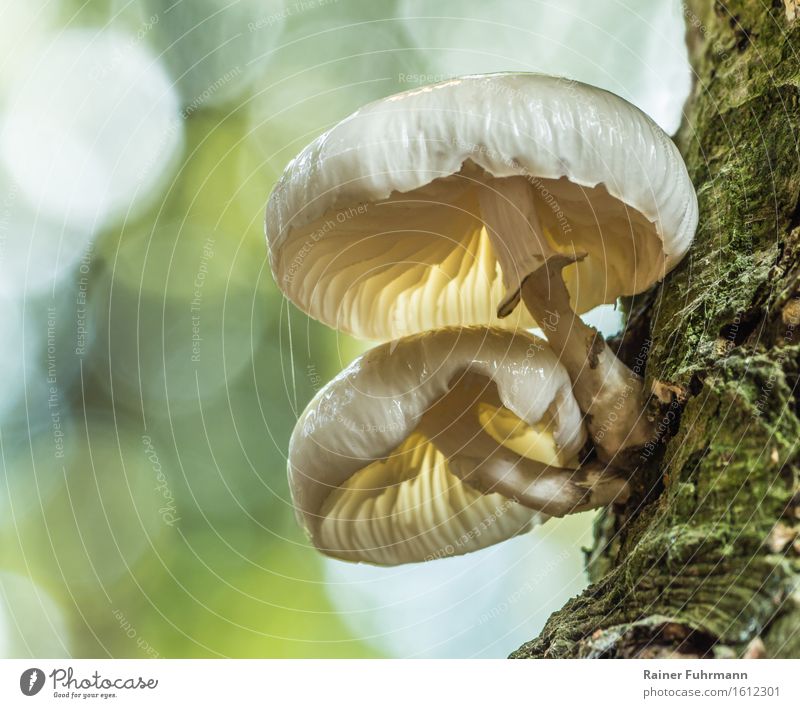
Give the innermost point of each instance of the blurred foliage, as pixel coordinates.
(152, 372)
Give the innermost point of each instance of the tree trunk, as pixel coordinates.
(704, 561)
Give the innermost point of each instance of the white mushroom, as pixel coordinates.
(446, 204)
(440, 444)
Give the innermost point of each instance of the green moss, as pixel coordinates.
(691, 568)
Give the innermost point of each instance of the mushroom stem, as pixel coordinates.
(612, 396)
(608, 392)
(483, 463)
(556, 491)
(513, 226)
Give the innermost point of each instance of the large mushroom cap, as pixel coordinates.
(376, 228)
(369, 481)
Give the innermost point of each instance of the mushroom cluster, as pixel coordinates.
(500, 202)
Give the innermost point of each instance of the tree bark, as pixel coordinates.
(704, 561)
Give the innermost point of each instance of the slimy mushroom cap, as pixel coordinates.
(380, 460)
(379, 227)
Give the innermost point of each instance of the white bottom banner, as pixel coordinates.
(385, 684)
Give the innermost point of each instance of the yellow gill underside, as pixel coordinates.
(390, 283)
(534, 442)
(413, 263)
(410, 507)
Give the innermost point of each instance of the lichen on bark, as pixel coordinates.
(704, 560)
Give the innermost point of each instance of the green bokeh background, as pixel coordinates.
(144, 509)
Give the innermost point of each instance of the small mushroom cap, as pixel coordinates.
(368, 481)
(375, 228)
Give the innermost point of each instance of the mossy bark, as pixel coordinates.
(705, 558)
